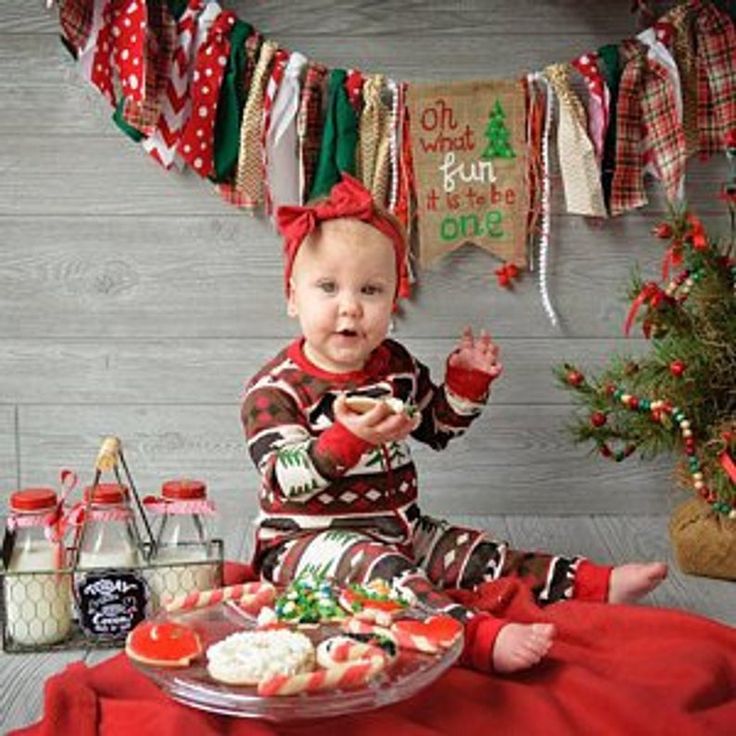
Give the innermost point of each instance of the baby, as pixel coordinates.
(339, 489)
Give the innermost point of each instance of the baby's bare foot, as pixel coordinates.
(520, 646)
(631, 582)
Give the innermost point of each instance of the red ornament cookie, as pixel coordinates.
(163, 644)
(429, 635)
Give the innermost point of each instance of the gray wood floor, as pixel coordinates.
(602, 538)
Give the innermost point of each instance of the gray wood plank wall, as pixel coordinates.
(134, 302)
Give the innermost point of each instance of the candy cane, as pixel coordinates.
(402, 639)
(251, 596)
(339, 649)
(362, 663)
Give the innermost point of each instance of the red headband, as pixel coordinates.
(348, 198)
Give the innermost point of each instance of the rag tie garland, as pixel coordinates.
(349, 198)
(195, 146)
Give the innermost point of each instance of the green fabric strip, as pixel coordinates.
(339, 137)
(133, 133)
(230, 105)
(611, 70)
(177, 7)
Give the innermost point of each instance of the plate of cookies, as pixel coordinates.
(310, 651)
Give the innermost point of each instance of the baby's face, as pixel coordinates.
(342, 291)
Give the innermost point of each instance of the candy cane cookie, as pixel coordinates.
(430, 636)
(346, 664)
(249, 596)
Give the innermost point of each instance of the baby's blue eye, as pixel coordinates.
(328, 287)
(372, 290)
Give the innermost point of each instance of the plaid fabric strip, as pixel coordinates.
(664, 137)
(682, 47)
(309, 125)
(281, 59)
(716, 70)
(75, 18)
(627, 191)
(249, 176)
(160, 34)
(196, 145)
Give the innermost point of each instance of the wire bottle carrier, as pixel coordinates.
(93, 591)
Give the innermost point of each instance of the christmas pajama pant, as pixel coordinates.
(438, 555)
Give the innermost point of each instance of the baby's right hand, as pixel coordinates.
(378, 426)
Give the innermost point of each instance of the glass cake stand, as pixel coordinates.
(405, 676)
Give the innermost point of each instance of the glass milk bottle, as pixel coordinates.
(37, 594)
(108, 538)
(183, 541)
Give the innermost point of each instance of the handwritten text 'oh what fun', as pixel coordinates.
(441, 133)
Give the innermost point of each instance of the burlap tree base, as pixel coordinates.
(704, 542)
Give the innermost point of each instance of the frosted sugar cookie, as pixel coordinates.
(247, 657)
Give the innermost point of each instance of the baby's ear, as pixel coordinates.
(291, 309)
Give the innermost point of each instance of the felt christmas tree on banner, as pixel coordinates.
(497, 135)
(681, 396)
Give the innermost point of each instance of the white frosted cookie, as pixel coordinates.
(247, 657)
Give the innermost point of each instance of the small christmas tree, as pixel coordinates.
(681, 395)
(497, 135)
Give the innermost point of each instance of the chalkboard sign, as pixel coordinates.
(110, 603)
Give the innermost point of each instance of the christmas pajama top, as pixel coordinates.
(316, 474)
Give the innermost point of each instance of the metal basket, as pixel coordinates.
(46, 610)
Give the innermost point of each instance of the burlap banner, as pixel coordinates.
(468, 142)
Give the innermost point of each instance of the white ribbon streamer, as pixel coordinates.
(545, 224)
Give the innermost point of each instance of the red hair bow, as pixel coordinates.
(348, 198)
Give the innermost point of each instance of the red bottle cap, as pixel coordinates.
(106, 493)
(33, 499)
(184, 489)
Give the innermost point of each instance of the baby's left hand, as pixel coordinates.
(479, 354)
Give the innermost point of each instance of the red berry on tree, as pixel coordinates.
(598, 418)
(633, 403)
(502, 276)
(677, 368)
(575, 378)
(663, 230)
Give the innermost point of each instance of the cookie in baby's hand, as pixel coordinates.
(363, 404)
(163, 644)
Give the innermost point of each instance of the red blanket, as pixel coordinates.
(612, 670)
